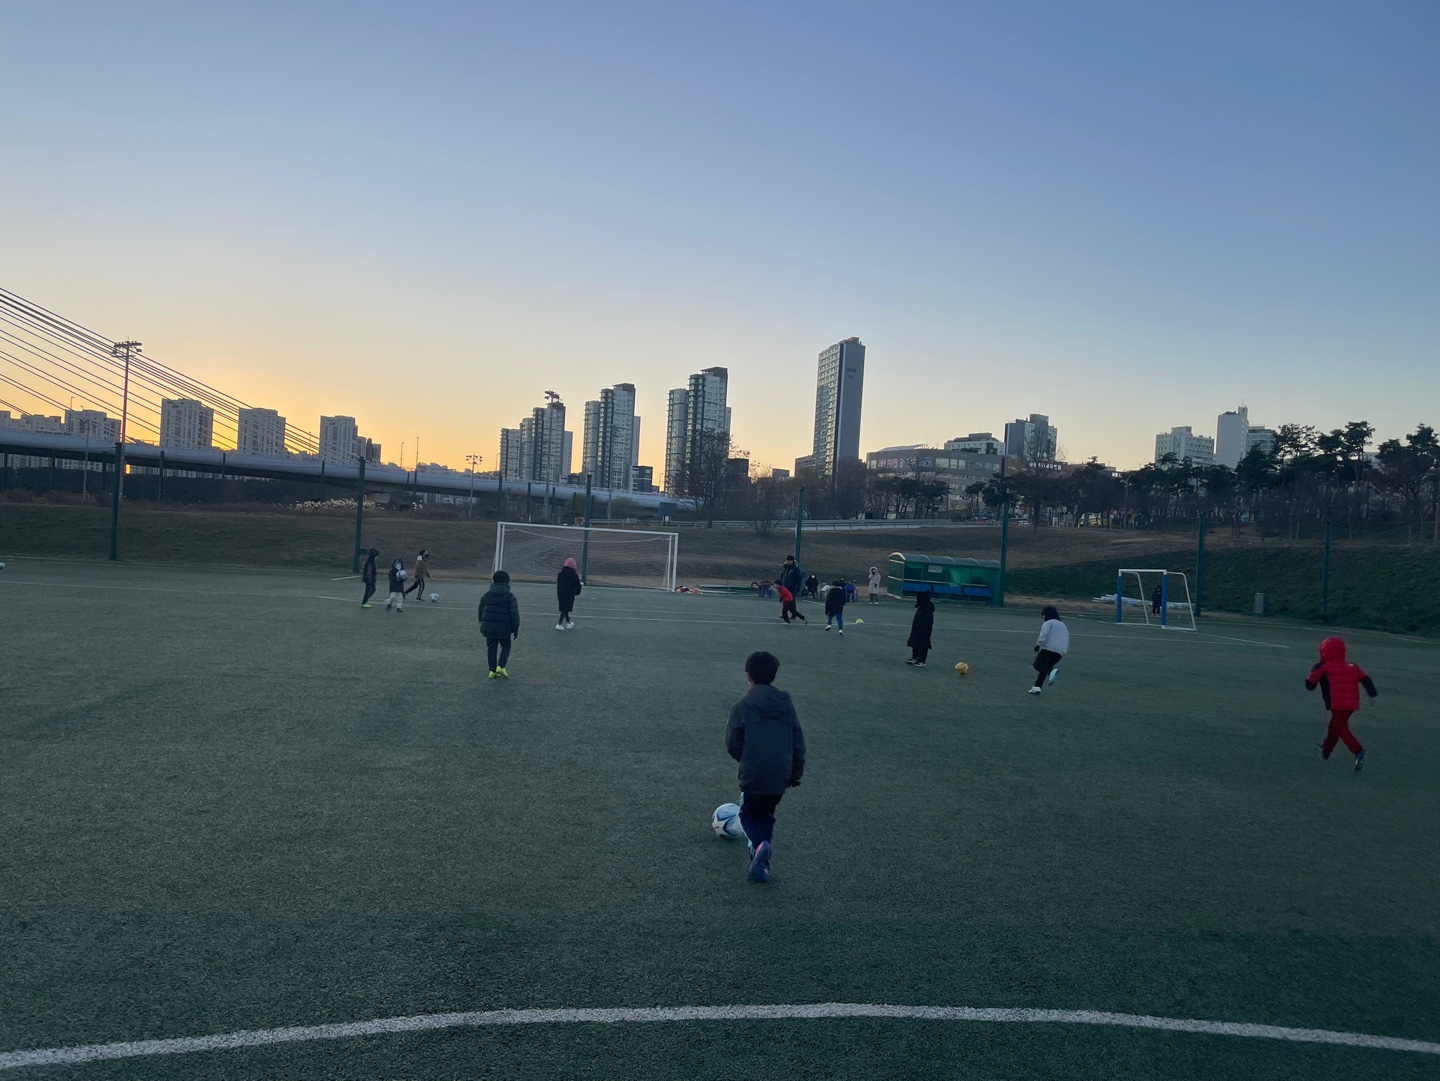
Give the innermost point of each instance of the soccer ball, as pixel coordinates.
(963, 668)
(726, 821)
(434, 598)
(401, 575)
(858, 622)
(2, 566)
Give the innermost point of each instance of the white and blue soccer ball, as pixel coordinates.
(726, 821)
(434, 598)
(2, 566)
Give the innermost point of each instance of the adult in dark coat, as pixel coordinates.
(367, 575)
(567, 588)
(791, 577)
(921, 625)
(499, 622)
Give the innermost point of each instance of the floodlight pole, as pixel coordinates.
(1199, 568)
(359, 515)
(585, 547)
(1004, 535)
(115, 501)
(474, 460)
(123, 350)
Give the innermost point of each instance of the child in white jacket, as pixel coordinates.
(1050, 647)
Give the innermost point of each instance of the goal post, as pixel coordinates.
(1161, 597)
(607, 557)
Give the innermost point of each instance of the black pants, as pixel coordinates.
(788, 609)
(565, 610)
(419, 584)
(757, 816)
(919, 653)
(1045, 660)
(369, 592)
(497, 645)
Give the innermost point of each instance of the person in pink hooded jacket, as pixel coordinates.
(567, 588)
(1340, 681)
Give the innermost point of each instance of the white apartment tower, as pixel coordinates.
(339, 439)
(92, 424)
(186, 424)
(261, 432)
(608, 446)
(512, 454)
(839, 386)
(543, 451)
(1183, 443)
(1232, 436)
(677, 409)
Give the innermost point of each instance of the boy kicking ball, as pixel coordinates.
(1340, 681)
(1050, 648)
(764, 736)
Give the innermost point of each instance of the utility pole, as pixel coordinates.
(125, 351)
(799, 519)
(474, 460)
(1004, 534)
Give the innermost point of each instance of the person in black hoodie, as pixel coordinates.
(397, 586)
(367, 575)
(921, 625)
(499, 623)
(764, 736)
(567, 588)
(791, 577)
(835, 606)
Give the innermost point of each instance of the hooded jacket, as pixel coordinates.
(791, 577)
(397, 584)
(567, 586)
(786, 597)
(834, 599)
(367, 572)
(1338, 679)
(874, 581)
(922, 623)
(499, 612)
(764, 736)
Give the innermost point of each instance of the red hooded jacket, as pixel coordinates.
(1338, 679)
(785, 595)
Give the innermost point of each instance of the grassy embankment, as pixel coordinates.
(1389, 587)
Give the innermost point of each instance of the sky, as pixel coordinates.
(1125, 215)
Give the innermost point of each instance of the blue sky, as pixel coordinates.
(1125, 215)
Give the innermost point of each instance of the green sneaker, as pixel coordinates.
(367, 604)
(502, 672)
(494, 675)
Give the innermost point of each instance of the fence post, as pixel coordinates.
(1004, 548)
(115, 501)
(1200, 568)
(359, 516)
(585, 548)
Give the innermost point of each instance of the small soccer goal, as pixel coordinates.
(606, 557)
(1161, 598)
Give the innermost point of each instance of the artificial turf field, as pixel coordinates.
(234, 800)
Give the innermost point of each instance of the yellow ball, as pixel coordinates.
(859, 621)
(963, 668)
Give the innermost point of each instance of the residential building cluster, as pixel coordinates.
(1234, 437)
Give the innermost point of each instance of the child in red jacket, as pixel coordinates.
(787, 604)
(1340, 681)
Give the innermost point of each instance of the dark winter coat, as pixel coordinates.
(834, 600)
(567, 588)
(764, 736)
(792, 578)
(922, 624)
(397, 584)
(1338, 679)
(499, 612)
(367, 573)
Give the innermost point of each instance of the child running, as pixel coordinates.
(567, 588)
(835, 606)
(499, 623)
(1050, 647)
(397, 586)
(422, 571)
(787, 604)
(367, 575)
(921, 626)
(1340, 681)
(764, 736)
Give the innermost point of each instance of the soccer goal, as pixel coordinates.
(1162, 598)
(606, 557)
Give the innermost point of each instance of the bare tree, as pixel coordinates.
(709, 473)
(765, 500)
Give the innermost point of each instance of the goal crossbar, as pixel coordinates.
(1174, 599)
(592, 547)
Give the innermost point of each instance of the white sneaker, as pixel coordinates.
(1034, 690)
(827, 626)
(1050, 680)
(559, 626)
(842, 634)
(569, 624)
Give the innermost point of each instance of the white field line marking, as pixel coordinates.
(269, 1037)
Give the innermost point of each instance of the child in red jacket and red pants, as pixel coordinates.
(787, 604)
(1340, 681)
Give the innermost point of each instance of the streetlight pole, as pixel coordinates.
(125, 351)
(474, 460)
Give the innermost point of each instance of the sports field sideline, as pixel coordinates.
(233, 800)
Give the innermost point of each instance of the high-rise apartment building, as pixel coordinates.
(1183, 443)
(1264, 438)
(186, 424)
(261, 432)
(839, 386)
(92, 424)
(677, 409)
(512, 454)
(339, 439)
(609, 454)
(539, 449)
(1033, 439)
(705, 411)
(1232, 436)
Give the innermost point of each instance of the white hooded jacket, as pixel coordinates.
(1054, 636)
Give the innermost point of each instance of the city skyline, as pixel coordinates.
(354, 235)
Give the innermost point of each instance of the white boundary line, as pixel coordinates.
(270, 1037)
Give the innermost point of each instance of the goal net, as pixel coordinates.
(606, 557)
(1155, 597)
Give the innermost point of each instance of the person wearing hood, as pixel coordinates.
(921, 624)
(1340, 681)
(499, 623)
(874, 584)
(1050, 647)
(835, 606)
(422, 571)
(791, 576)
(812, 587)
(367, 575)
(567, 588)
(765, 737)
(397, 586)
